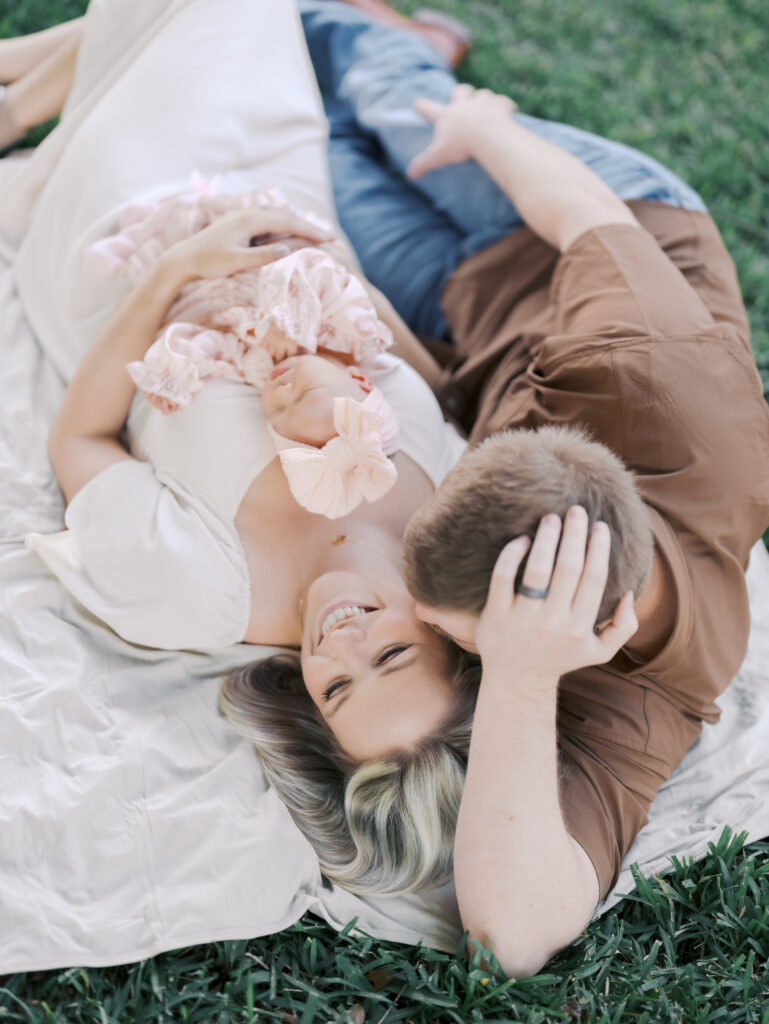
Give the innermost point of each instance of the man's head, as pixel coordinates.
(501, 490)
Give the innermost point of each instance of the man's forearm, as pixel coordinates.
(557, 195)
(525, 887)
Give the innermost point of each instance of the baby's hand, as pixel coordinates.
(279, 345)
(164, 405)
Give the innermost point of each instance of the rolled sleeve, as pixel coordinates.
(619, 742)
(616, 282)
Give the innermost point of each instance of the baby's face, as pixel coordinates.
(299, 396)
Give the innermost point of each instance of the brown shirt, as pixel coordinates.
(641, 337)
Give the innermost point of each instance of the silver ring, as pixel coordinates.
(537, 593)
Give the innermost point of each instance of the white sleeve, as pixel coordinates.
(156, 565)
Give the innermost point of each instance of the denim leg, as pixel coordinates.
(379, 72)
(406, 247)
(370, 75)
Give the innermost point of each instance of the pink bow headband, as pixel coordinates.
(333, 480)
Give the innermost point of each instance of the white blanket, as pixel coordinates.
(132, 819)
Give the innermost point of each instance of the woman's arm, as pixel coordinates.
(525, 886)
(557, 195)
(85, 434)
(406, 345)
(84, 437)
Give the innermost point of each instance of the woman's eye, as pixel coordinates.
(391, 652)
(331, 690)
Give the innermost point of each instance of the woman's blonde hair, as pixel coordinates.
(384, 826)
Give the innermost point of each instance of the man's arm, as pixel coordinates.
(525, 886)
(557, 195)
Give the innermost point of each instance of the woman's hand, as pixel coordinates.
(454, 124)
(227, 246)
(540, 639)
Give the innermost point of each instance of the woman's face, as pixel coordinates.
(299, 396)
(375, 672)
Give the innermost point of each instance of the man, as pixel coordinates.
(625, 319)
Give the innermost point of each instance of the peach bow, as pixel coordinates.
(333, 480)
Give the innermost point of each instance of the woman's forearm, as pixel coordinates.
(84, 435)
(524, 885)
(100, 394)
(557, 195)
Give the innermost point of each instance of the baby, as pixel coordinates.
(333, 430)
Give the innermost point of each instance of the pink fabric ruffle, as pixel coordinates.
(146, 229)
(185, 355)
(216, 327)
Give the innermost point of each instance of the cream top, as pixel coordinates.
(151, 547)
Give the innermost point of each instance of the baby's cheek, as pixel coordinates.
(314, 427)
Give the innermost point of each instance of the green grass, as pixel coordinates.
(691, 948)
(685, 81)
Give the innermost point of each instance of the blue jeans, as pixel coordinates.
(410, 236)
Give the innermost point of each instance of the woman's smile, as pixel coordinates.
(341, 612)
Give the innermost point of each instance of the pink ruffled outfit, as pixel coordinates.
(215, 327)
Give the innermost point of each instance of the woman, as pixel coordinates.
(213, 504)
(383, 638)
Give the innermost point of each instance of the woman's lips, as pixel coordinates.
(336, 607)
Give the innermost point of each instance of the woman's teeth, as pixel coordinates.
(348, 612)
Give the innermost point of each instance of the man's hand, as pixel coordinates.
(537, 640)
(454, 124)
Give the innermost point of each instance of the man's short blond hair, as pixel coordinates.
(501, 490)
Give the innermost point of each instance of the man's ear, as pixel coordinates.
(361, 378)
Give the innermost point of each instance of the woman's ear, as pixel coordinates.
(361, 378)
